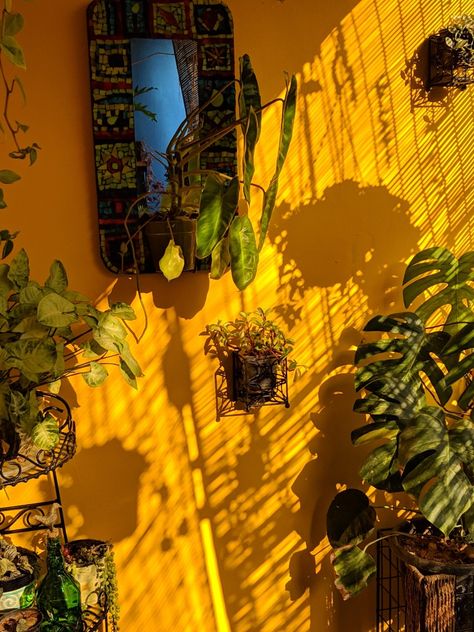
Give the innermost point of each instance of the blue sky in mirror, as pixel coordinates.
(154, 66)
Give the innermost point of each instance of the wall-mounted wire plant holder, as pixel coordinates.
(31, 462)
(244, 385)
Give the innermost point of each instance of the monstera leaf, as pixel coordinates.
(460, 349)
(390, 368)
(446, 278)
(440, 452)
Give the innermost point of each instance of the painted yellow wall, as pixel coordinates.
(207, 518)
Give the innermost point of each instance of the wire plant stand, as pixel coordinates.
(30, 463)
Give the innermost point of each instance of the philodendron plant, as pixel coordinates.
(415, 371)
(48, 333)
(212, 197)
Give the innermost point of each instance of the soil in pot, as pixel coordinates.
(182, 230)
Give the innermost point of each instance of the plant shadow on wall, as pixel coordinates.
(352, 228)
(100, 489)
(310, 567)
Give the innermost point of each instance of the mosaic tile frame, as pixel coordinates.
(111, 25)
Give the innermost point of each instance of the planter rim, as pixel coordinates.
(24, 579)
(427, 565)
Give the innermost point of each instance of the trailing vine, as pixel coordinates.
(12, 58)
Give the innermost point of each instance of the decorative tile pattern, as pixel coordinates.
(169, 19)
(216, 57)
(116, 166)
(113, 112)
(212, 19)
(111, 61)
(135, 16)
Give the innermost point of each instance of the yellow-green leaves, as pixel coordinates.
(172, 262)
(45, 434)
(96, 375)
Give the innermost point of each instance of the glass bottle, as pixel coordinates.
(59, 595)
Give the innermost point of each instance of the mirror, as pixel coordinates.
(151, 64)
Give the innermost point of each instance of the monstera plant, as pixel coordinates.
(48, 333)
(211, 197)
(415, 373)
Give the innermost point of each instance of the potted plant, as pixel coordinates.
(202, 204)
(258, 350)
(451, 54)
(47, 333)
(25, 620)
(18, 573)
(91, 562)
(415, 369)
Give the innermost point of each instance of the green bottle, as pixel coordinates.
(59, 595)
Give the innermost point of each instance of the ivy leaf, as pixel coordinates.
(8, 177)
(13, 23)
(96, 376)
(56, 311)
(13, 51)
(45, 434)
(57, 279)
(3, 204)
(123, 311)
(19, 271)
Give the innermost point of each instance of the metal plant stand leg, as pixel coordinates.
(27, 519)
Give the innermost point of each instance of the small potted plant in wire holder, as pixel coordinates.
(255, 351)
(451, 54)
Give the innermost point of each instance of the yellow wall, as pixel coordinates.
(206, 517)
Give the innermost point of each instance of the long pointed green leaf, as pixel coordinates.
(286, 132)
(252, 132)
(220, 259)
(219, 202)
(249, 91)
(243, 252)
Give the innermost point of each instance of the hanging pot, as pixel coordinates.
(182, 230)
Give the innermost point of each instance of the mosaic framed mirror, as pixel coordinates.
(152, 63)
